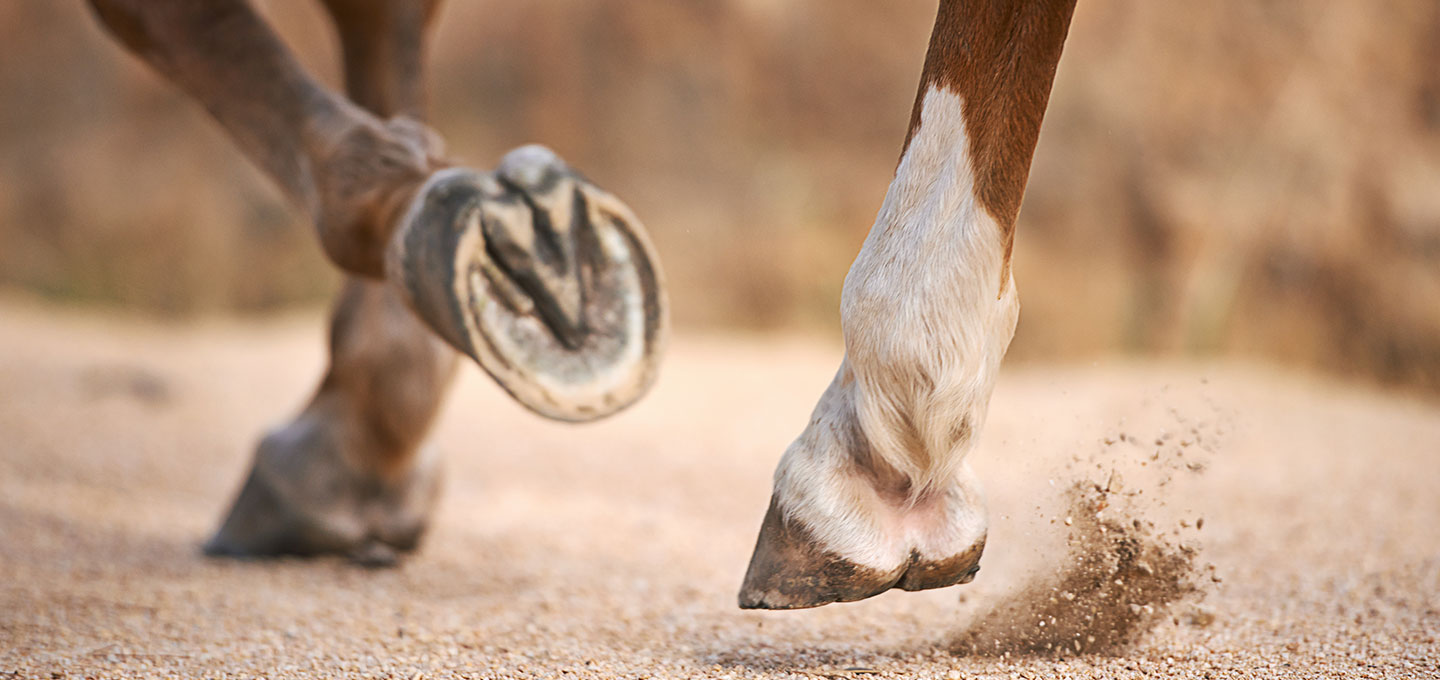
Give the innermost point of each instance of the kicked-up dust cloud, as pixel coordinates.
(1119, 577)
(1121, 572)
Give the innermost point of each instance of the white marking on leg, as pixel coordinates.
(925, 324)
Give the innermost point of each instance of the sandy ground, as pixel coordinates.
(616, 549)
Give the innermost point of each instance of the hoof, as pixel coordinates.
(302, 497)
(545, 280)
(792, 569)
(842, 526)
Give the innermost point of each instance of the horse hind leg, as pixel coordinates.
(351, 473)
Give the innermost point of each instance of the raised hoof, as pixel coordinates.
(547, 281)
(791, 570)
(303, 498)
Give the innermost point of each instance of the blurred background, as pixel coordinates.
(1237, 177)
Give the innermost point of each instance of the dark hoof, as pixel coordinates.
(548, 282)
(791, 570)
(261, 523)
(302, 498)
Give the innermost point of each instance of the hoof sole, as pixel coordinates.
(546, 281)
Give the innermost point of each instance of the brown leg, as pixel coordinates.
(349, 169)
(348, 475)
(384, 50)
(875, 493)
(549, 283)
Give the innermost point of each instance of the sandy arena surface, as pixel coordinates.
(616, 549)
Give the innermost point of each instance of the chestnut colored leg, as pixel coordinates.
(349, 169)
(360, 482)
(547, 281)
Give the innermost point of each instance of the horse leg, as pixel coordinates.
(349, 474)
(544, 279)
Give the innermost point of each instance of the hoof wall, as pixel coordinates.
(790, 570)
(302, 499)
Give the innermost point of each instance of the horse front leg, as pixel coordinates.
(545, 280)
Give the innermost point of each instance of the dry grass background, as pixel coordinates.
(1260, 178)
